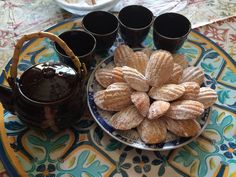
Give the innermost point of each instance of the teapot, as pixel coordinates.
(47, 95)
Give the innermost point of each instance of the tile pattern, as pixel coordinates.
(17, 18)
(87, 150)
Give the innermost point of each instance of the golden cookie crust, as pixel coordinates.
(180, 59)
(105, 76)
(191, 90)
(193, 74)
(207, 96)
(138, 60)
(114, 98)
(157, 109)
(168, 92)
(147, 51)
(185, 109)
(135, 79)
(152, 131)
(121, 53)
(159, 68)
(176, 74)
(183, 128)
(126, 119)
(141, 101)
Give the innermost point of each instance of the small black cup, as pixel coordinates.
(81, 43)
(135, 22)
(103, 26)
(170, 30)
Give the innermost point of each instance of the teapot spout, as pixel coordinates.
(6, 97)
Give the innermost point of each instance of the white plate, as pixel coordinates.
(83, 8)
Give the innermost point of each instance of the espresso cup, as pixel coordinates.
(103, 26)
(81, 43)
(170, 30)
(135, 22)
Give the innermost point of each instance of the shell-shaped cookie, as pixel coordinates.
(117, 75)
(191, 90)
(106, 76)
(141, 101)
(168, 92)
(180, 59)
(135, 79)
(121, 53)
(120, 86)
(157, 109)
(159, 68)
(113, 99)
(185, 109)
(207, 96)
(176, 74)
(126, 119)
(183, 128)
(152, 131)
(147, 51)
(192, 74)
(138, 61)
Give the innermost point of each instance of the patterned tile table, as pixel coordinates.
(86, 149)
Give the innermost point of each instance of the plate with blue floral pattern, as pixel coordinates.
(131, 137)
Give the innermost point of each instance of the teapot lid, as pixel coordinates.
(48, 82)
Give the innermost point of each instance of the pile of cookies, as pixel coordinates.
(153, 92)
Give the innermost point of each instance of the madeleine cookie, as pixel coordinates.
(135, 79)
(126, 119)
(141, 101)
(117, 75)
(176, 74)
(147, 51)
(179, 59)
(152, 131)
(191, 90)
(183, 128)
(192, 74)
(207, 96)
(106, 77)
(185, 109)
(113, 98)
(159, 68)
(157, 109)
(138, 61)
(121, 53)
(168, 92)
(120, 86)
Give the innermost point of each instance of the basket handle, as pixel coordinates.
(53, 37)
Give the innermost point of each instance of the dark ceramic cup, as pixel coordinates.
(135, 22)
(170, 30)
(103, 26)
(81, 43)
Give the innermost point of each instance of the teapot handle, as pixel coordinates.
(53, 37)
